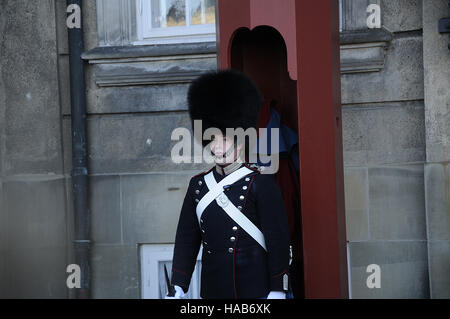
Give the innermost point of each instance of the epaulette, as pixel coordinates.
(203, 173)
(255, 167)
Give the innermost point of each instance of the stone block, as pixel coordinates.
(37, 242)
(397, 134)
(70, 216)
(29, 63)
(129, 99)
(383, 134)
(124, 143)
(4, 280)
(437, 193)
(67, 144)
(61, 27)
(115, 271)
(355, 135)
(439, 252)
(356, 203)
(401, 15)
(37, 272)
(105, 209)
(3, 220)
(71, 294)
(151, 206)
(437, 82)
(397, 203)
(36, 211)
(401, 79)
(403, 269)
(64, 84)
(90, 25)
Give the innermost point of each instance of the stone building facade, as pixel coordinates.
(396, 134)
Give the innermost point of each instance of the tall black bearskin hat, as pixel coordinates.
(224, 99)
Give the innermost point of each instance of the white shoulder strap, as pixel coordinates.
(231, 210)
(213, 193)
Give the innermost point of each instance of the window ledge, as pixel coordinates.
(109, 53)
(159, 64)
(364, 51)
(365, 36)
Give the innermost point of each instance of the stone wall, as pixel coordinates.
(33, 215)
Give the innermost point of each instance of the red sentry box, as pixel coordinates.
(306, 79)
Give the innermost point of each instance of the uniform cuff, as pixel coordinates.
(180, 278)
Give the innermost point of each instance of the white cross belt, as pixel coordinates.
(216, 192)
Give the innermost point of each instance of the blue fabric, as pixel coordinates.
(290, 294)
(288, 139)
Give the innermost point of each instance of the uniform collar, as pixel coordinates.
(230, 168)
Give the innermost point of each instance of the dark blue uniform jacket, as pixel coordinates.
(234, 265)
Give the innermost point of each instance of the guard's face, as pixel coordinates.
(224, 149)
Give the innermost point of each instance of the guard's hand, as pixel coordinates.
(276, 295)
(179, 293)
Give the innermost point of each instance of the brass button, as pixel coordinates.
(197, 191)
(197, 200)
(240, 207)
(230, 250)
(203, 231)
(232, 239)
(234, 228)
(244, 187)
(200, 182)
(241, 197)
(247, 179)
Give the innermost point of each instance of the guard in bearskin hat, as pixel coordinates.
(234, 210)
